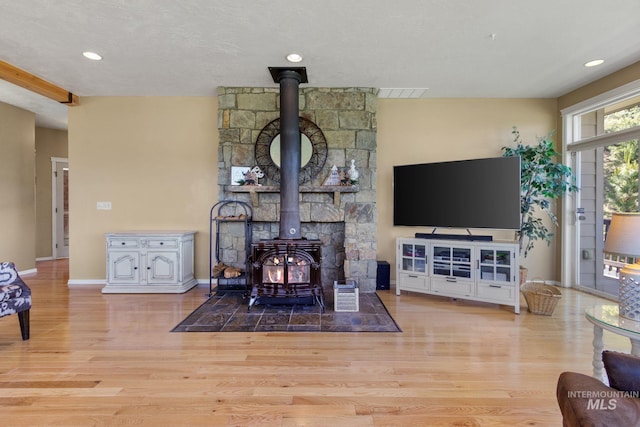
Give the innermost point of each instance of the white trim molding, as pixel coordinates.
(605, 139)
(613, 96)
(54, 222)
(86, 282)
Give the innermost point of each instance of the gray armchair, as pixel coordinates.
(15, 296)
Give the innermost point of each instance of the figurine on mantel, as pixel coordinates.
(252, 176)
(353, 173)
(343, 176)
(349, 176)
(334, 177)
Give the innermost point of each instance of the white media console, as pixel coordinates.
(474, 270)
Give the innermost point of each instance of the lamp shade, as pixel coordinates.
(623, 237)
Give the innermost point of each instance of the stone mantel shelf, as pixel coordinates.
(254, 189)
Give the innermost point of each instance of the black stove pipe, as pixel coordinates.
(289, 155)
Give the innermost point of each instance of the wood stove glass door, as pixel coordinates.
(294, 269)
(298, 270)
(273, 269)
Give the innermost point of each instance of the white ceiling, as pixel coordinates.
(190, 47)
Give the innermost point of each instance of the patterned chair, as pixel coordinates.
(15, 296)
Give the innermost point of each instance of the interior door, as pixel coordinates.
(61, 211)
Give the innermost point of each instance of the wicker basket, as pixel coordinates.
(541, 298)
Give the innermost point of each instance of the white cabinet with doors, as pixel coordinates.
(150, 262)
(475, 270)
(498, 274)
(412, 269)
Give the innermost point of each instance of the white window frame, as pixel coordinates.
(572, 145)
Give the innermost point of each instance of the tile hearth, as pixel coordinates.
(228, 313)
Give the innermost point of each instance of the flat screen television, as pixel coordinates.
(479, 193)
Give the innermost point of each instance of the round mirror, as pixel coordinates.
(305, 150)
(313, 146)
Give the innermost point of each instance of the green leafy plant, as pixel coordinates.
(542, 180)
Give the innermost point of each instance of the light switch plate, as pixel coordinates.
(103, 206)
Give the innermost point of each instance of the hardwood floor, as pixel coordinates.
(110, 360)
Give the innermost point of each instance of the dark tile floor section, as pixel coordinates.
(228, 313)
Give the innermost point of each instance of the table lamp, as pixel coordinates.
(623, 239)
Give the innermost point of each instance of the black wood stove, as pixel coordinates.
(287, 270)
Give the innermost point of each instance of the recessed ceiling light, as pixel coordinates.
(594, 63)
(294, 57)
(92, 55)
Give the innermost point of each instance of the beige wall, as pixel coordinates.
(17, 179)
(49, 143)
(154, 159)
(431, 130)
(138, 152)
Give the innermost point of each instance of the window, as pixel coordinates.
(601, 141)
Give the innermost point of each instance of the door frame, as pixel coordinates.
(54, 197)
(571, 147)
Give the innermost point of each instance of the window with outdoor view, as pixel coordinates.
(621, 182)
(600, 137)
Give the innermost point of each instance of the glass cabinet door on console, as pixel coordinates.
(451, 270)
(411, 265)
(496, 265)
(414, 257)
(452, 261)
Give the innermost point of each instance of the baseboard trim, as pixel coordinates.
(45, 258)
(30, 271)
(86, 282)
(595, 292)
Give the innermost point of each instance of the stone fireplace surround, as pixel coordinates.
(345, 222)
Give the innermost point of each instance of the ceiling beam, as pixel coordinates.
(35, 84)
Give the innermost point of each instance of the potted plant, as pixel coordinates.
(542, 180)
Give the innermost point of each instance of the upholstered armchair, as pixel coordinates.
(15, 296)
(586, 402)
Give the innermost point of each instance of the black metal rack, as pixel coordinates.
(229, 211)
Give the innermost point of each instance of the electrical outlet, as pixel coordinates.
(103, 206)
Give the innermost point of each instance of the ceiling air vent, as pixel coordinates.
(402, 92)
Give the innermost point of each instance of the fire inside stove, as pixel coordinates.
(295, 269)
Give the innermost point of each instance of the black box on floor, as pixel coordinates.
(382, 279)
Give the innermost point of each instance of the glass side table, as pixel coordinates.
(603, 317)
